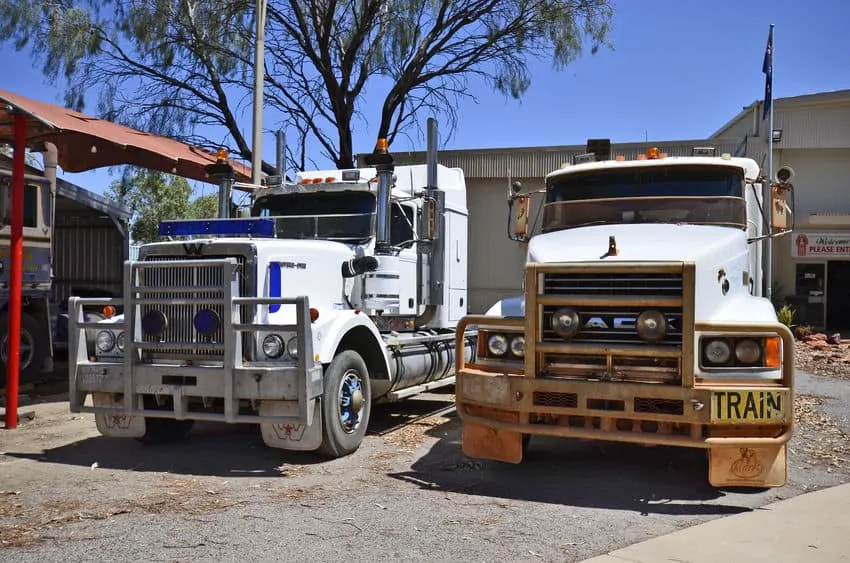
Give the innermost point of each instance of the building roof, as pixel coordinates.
(819, 98)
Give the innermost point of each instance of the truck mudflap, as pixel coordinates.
(125, 391)
(500, 407)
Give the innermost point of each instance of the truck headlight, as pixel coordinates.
(273, 346)
(104, 341)
(748, 351)
(742, 351)
(497, 345)
(119, 342)
(292, 347)
(518, 346)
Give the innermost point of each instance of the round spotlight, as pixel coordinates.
(497, 345)
(104, 340)
(273, 346)
(565, 323)
(518, 346)
(748, 351)
(207, 321)
(651, 326)
(154, 322)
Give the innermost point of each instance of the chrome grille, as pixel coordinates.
(180, 316)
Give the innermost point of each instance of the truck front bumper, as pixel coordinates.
(185, 384)
(700, 417)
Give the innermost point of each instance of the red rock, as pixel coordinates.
(818, 345)
(817, 337)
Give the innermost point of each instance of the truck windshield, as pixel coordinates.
(711, 195)
(345, 216)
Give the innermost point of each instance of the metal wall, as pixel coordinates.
(88, 252)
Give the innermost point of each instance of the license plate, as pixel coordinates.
(749, 406)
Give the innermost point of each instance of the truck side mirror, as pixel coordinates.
(778, 208)
(520, 206)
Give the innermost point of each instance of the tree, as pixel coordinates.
(152, 197)
(168, 66)
(204, 207)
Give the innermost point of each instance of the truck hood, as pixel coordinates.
(637, 243)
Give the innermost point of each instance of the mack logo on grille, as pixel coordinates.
(193, 249)
(605, 322)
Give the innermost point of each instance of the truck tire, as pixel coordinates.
(346, 405)
(164, 430)
(35, 348)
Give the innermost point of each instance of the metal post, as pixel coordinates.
(224, 188)
(16, 252)
(281, 153)
(259, 76)
(767, 192)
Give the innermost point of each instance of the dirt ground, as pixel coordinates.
(407, 494)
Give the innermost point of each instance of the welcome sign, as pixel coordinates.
(820, 245)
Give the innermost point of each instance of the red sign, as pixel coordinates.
(821, 245)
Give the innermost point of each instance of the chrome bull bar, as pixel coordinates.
(234, 380)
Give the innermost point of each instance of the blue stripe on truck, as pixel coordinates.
(274, 285)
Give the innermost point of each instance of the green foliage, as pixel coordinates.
(786, 315)
(153, 197)
(167, 66)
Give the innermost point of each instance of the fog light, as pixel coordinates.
(154, 322)
(651, 326)
(717, 352)
(748, 351)
(497, 345)
(119, 342)
(518, 346)
(565, 323)
(292, 347)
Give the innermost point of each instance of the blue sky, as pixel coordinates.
(679, 70)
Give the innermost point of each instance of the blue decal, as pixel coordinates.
(274, 285)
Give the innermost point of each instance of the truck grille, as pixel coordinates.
(180, 316)
(613, 325)
(607, 344)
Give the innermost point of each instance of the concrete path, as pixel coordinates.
(808, 528)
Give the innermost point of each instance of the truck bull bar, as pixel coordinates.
(232, 379)
(506, 393)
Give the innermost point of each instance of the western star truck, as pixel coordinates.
(343, 289)
(642, 319)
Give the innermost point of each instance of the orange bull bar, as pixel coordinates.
(498, 406)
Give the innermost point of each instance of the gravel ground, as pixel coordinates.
(68, 494)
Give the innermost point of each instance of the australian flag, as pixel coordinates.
(767, 69)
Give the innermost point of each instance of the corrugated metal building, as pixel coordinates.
(813, 137)
(811, 134)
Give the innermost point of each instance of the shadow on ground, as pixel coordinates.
(658, 480)
(218, 449)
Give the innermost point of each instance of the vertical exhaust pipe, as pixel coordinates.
(280, 152)
(432, 154)
(382, 160)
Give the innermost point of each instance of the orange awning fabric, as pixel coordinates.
(85, 143)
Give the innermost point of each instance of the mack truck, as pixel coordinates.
(342, 289)
(642, 318)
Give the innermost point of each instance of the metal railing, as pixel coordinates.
(308, 373)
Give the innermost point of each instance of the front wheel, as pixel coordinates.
(33, 350)
(346, 405)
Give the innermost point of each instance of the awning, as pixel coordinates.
(85, 143)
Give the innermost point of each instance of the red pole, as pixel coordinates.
(16, 253)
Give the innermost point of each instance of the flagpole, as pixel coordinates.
(767, 191)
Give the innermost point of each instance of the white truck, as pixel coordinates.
(642, 319)
(343, 289)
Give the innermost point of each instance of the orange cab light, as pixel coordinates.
(382, 145)
(652, 152)
(221, 154)
(314, 314)
(109, 311)
(317, 180)
(330, 179)
(619, 158)
(772, 356)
